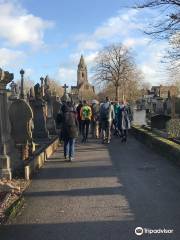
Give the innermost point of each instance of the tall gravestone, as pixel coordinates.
(51, 125)
(5, 169)
(38, 106)
(20, 116)
(56, 106)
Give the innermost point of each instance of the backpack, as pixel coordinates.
(85, 112)
(105, 112)
(69, 119)
(59, 118)
(95, 112)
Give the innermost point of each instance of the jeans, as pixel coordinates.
(85, 128)
(69, 147)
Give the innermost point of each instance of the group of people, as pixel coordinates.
(101, 120)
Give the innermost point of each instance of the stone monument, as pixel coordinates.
(5, 169)
(47, 95)
(38, 106)
(20, 116)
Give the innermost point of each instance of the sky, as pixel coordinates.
(48, 37)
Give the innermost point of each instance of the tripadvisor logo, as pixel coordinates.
(140, 231)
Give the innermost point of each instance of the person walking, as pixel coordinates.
(69, 130)
(106, 118)
(115, 122)
(123, 121)
(86, 114)
(95, 119)
(78, 109)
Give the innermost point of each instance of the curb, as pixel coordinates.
(164, 147)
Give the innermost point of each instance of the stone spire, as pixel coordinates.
(82, 76)
(82, 63)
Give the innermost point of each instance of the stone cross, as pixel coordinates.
(13, 86)
(22, 84)
(65, 87)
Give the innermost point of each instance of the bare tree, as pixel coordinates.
(28, 83)
(168, 27)
(169, 24)
(115, 67)
(55, 87)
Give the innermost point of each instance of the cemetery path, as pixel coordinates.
(104, 194)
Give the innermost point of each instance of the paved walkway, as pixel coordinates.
(103, 195)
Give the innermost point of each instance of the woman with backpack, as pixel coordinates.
(69, 130)
(107, 116)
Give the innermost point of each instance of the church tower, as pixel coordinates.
(82, 76)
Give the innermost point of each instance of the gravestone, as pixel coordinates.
(139, 117)
(38, 106)
(56, 106)
(21, 115)
(21, 130)
(5, 168)
(51, 125)
(159, 121)
(14, 91)
(65, 97)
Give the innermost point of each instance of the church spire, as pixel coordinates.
(82, 76)
(82, 62)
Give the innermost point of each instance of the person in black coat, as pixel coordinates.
(69, 130)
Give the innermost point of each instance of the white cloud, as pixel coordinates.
(118, 25)
(11, 58)
(133, 42)
(90, 57)
(152, 67)
(29, 72)
(88, 45)
(67, 75)
(19, 27)
(114, 27)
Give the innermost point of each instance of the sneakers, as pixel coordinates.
(71, 159)
(105, 141)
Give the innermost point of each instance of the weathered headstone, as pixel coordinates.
(139, 117)
(38, 106)
(159, 121)
(5, 169)
(51, 125)
(21, 115)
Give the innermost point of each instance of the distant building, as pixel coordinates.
(164, 91)
(83, 90)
